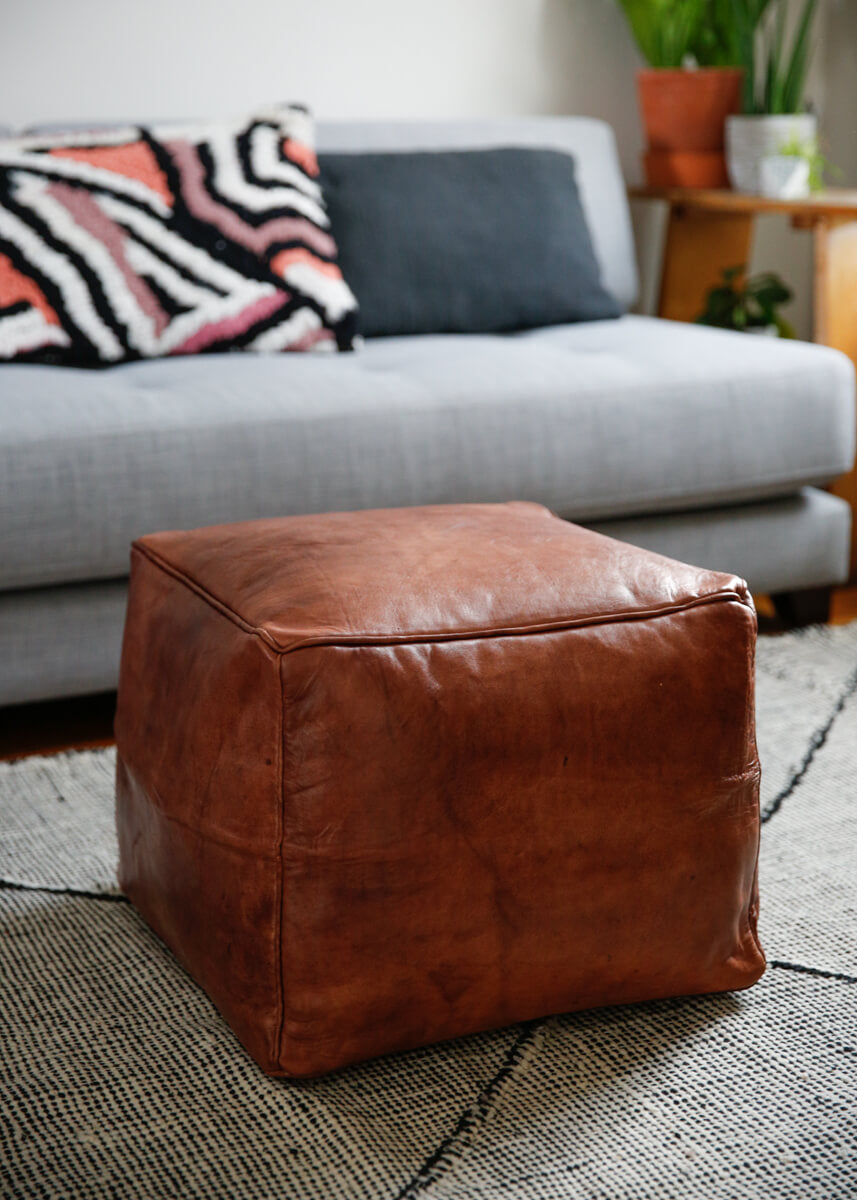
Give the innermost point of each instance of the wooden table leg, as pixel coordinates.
(836, 285)
(699, 247)
(836, 321)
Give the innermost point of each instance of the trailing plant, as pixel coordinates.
(775, 71)
(810, 150)
(665, 30)
(740, 303)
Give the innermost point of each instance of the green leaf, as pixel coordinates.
(769, 291)
(741, 303)
(716, 40)
(794, 81)
(775, 76)
(665, 30)
(746, 15)
(784, 67)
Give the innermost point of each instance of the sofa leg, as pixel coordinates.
(808, 607)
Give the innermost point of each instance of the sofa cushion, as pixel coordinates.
(468, 241)
(592, 143)
(596, 420)
(136, 243)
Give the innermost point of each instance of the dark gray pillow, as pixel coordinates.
(474, 241)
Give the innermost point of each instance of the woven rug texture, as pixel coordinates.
(119, 1079)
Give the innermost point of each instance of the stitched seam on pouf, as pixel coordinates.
(429, 636)
(277, 1048)
(213, 601)
(750, 723)
(271, 856)
(560, 625)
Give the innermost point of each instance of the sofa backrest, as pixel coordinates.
(599, 175)
(590, 141)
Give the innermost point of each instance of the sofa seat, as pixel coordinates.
(599, 420)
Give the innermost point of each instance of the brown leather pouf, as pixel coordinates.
(389, 777)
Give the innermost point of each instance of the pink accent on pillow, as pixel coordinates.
(134, 160)
(255, 238)
(302, 154)
(312, 339)
(232, 326)
(286, 258)
(85, 211)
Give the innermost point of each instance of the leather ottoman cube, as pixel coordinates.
(386, 778)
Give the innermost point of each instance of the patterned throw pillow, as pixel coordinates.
(138, 243)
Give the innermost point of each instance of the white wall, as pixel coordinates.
(836, 77)
(160, 58)
(112, 59)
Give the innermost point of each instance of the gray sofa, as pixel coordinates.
(703, 445)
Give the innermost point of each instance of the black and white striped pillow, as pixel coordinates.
(143, 242)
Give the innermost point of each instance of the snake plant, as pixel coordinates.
(775, 79)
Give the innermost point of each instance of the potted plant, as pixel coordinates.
(748, 305)
(796, 170)
(774, 101)
(689, 87)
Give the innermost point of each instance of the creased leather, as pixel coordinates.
(387, 778)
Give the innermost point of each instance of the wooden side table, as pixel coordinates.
(710, 230)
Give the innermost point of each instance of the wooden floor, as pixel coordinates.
(85, 722)
(843, 609)
(844, 606)
(76, 724)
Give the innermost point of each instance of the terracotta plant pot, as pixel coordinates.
(686, 168)
(684, 114)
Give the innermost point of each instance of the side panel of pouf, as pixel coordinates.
(198, 796)
(483, 831)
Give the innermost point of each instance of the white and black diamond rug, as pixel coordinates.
(119, 1079)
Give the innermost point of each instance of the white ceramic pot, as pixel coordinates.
(749, 140)
(763, 330)
(784, 177)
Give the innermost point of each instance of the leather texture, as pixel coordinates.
(395, 776)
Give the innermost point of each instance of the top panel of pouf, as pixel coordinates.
(433, 572)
